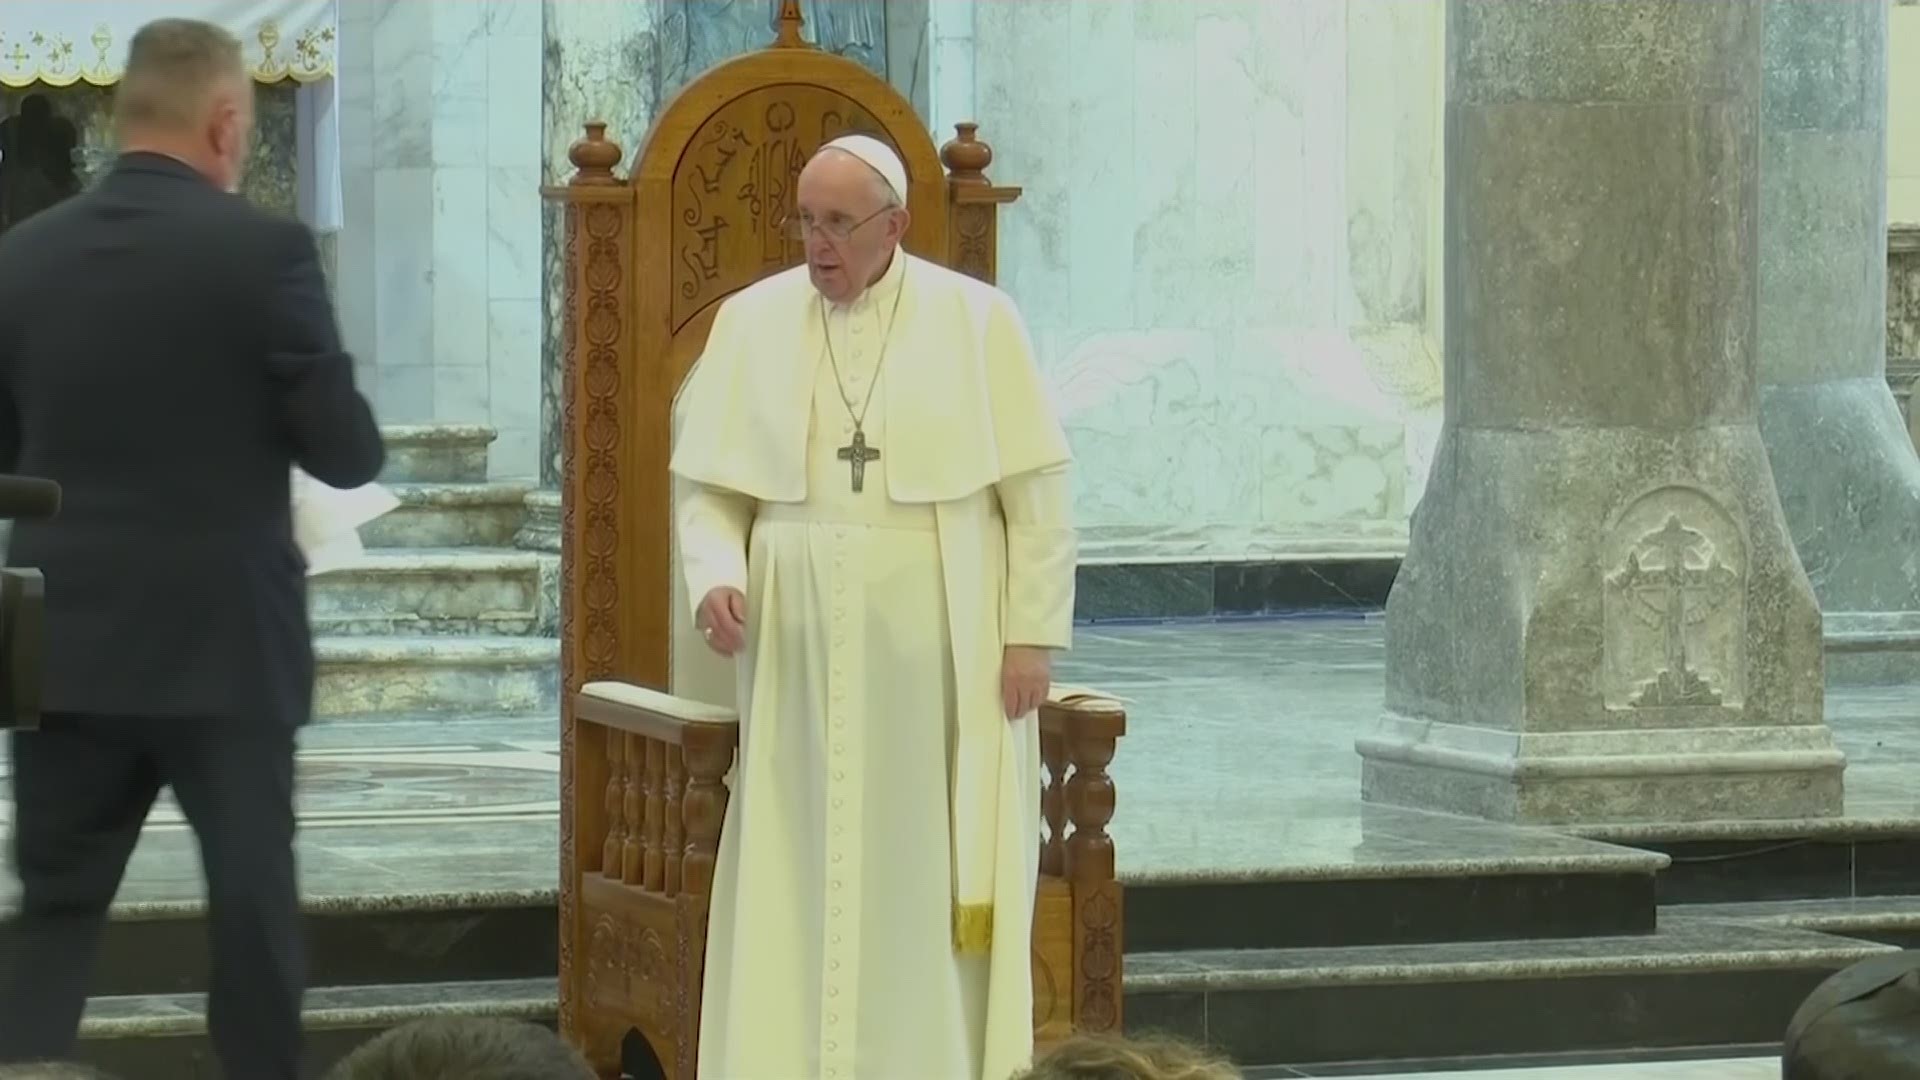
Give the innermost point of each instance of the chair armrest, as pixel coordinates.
(1081, 712)
(651, 714)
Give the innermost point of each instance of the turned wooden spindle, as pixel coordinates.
(966, 156)
(676, 841)
(635, 807)
(654, 869)
(616, 804)
(640, 838)
(1090, 801)
(709, 755)
(1053, 804)
(594, 157)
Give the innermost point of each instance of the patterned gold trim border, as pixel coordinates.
(308, 59)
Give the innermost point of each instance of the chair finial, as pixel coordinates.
(966, 155)
(790, 23)
(595, 156)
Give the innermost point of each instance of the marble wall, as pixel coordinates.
(1903, 112)
(1227, 251)
(439, 255)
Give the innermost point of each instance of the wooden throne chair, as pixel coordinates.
(648, 733)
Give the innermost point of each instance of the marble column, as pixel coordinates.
(598, 63)
(1601, 616)
(621, 62)
(1842, 458)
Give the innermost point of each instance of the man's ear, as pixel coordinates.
(902, 221)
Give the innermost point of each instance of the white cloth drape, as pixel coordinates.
(62, 42)
(317, 154)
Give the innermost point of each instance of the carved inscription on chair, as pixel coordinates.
(735, 186)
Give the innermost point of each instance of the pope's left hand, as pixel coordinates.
(1026, 674)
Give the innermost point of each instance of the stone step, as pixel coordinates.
(541, 529)
(368, 939)
(436, 453)
(164, 1036)
(1558, 887)
(450, 515)
(1869, 852)
(394, 674)
(1694, 983)
(436, 591)
(1889, 920)
(1870, 631)
(1872, 648)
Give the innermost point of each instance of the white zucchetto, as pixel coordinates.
(877, 156)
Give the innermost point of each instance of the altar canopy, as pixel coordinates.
(60, 43)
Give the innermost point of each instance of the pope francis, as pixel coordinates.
(872, 512)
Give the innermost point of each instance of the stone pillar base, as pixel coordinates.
(1580, 778)
(1849, 483)
(1603, 624)
(541, 529)
(1874, 648)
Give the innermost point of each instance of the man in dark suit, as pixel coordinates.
(168, 353)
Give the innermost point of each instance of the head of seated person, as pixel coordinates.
(1099, 1057)
(464, 1048)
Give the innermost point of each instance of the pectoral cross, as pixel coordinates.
(856, 454)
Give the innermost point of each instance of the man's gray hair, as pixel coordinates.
(173, 66)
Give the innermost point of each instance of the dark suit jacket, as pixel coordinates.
(167, 353)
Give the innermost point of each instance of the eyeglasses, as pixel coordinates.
(796, 226)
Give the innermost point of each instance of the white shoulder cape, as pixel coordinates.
(964, 402)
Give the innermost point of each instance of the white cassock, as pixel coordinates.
(872, 901)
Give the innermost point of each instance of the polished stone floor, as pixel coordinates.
(1239, 762)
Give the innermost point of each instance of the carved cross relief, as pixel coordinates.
(1675, 582)
(1674, 605)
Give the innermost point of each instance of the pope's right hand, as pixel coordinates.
(722, 620)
